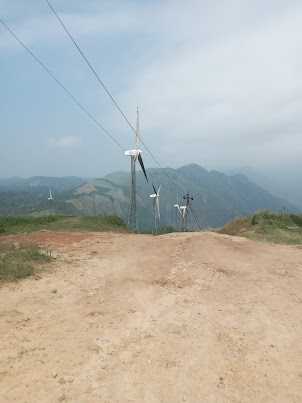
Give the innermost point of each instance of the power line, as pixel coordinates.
(91, 68)
(84, 109)
(103, 85)
(62, 86)
(65, 89)
(195, 217)
(69, 93)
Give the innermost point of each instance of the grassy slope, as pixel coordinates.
(268, 226)
(20, 263)
(16, 264)
(13, 225)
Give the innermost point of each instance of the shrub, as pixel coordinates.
(115, 220)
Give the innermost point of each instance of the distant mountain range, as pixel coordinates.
(289, 187)
(218, 198)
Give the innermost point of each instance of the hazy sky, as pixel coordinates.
(218, 83)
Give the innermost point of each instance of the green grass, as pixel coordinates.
(13, 225)
(20, 263)
(268, 226)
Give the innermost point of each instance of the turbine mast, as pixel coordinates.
(155, 197)
(135, 154)
(187, 198)
(133, 220)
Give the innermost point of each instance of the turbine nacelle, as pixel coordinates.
(133, 153)
(137, 153)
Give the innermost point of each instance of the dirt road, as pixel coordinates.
(196, 317)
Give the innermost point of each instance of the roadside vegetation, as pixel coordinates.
(17, 263)
(267, 226)
(13, 225)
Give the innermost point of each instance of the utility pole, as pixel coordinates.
(187, 198)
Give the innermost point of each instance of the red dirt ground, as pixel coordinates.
(129, 318)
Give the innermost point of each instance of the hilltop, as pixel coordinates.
(267, 226)
(118, 317)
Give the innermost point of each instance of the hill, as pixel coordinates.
(218, 198)
(41, 184)
(13, 225)
(267, 226)
(280, 184)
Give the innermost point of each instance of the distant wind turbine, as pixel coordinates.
(50, 196)
(176, 213)
(155, 197)
(183, 208)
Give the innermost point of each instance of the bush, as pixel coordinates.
(264, 215)
(115, 220)
(296, 219)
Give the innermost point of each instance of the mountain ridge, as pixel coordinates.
(218, 198)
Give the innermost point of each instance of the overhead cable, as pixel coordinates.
(111, 97)
(194, 215)
(62, 86)
(81, 106)
(65, 89)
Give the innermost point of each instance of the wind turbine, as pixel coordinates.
(183, 208)
(155, 197)
(50, 195)
(177, 211)
(135, 155)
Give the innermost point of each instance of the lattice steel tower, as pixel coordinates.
(135, 154)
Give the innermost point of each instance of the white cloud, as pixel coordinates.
(216, 82)
(238, 89)
(65, 142)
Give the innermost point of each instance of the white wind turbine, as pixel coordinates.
(50, 195)
(135, 155)
(183, 208)
(155, 197)
(176, 213)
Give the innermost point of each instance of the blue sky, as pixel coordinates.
(217, 83)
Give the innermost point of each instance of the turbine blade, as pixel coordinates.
(158, 191)
(157, 205)
(137, 131)
(154, 189)
(140, 160)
